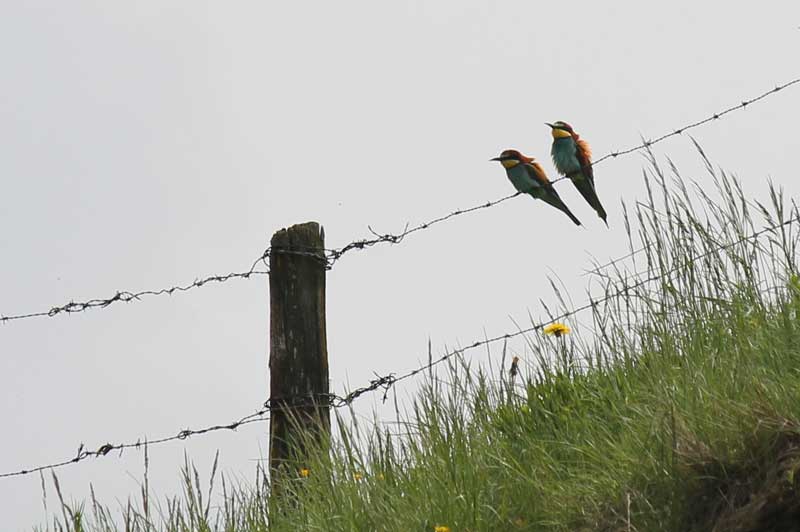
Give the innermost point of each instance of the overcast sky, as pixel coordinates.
(145, 144)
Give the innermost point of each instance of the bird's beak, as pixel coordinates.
(549, 124)
(496, 159)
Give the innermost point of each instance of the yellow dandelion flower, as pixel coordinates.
(357, 476)
(557, 329)
(304, 472)
(381, 477)
(441, 529)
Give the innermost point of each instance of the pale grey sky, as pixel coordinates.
(144, 144)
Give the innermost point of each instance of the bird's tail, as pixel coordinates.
(555, 200)
(571, 216)
(601, 212)
(590, 195)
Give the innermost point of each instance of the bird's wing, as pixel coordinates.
(536, 172)
(584, 155)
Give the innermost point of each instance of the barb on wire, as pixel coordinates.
(106, 448)
(333, 400)
(384, 383)
(334, 255)
(303, 251)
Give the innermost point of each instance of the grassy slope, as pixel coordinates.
(679, 412)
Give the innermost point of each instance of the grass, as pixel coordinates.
(674, 408)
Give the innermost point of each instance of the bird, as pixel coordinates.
(573, 159)
(528, 176)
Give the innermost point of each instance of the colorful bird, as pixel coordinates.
(573, 159)
(528, 176)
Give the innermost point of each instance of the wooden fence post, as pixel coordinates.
(298, 357)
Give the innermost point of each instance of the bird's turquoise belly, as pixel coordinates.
(520, 179)
(564, 157)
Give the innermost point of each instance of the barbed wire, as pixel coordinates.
(384, 382)
(389, 380)
(271, 405)
(106, 448)
(715, 116)
(335, 254)
(127, 297)
(332, 255)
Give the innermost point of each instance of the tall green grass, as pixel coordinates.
(673, 405)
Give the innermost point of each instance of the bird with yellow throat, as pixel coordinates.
(573, 159)
(528, 176)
